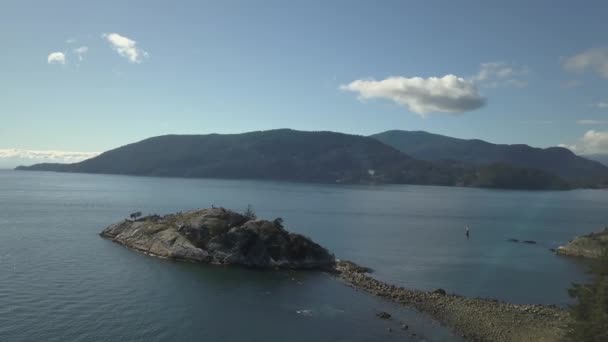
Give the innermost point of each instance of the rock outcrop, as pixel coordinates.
(220, 236)
(587, 246)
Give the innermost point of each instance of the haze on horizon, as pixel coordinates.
(81, 78)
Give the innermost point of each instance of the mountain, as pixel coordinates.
(555, 160)
(598, 157)
(322, 157)
(282, 154)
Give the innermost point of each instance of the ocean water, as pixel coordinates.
(59, 281)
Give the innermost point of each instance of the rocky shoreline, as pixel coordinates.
(586, 246)
(476, 319)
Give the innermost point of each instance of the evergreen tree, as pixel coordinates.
(590, 313)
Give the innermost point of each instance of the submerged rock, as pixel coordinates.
(586, 246)
(383, 315)
(220, 236)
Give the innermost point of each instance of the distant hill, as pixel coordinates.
(555, 160)
(323, 157)
(602, 158)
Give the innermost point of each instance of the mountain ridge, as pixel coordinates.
(557, 160)
(301, 156)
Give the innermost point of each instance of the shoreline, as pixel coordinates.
(475, 319)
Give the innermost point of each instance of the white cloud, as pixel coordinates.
(56, 58)
(595, 60)
(80, 52)
(449, 94)
(591, 142)
(495, 74)
(572, 83)
(602, 105)
(126, 47)
(592, 122)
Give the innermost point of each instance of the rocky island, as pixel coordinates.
(586, 246)
(220, 236)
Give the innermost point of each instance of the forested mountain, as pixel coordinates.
(324, 157)
(277, 154)
(555, 160)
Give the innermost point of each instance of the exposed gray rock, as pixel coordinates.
(587, 246)
(220, 236)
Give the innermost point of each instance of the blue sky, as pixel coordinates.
(523, 72)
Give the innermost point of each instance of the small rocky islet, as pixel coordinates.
(221, 236)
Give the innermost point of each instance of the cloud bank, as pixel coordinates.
(13, 157)
(591, 142)
(594, 60)
(447, 94)
(125, 47)
(56, 58)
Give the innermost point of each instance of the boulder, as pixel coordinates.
(220, 236)
(440, 292)
(383, 315)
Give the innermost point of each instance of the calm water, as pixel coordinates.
(59, 281)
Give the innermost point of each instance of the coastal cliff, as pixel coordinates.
(586, 246)
(220, 236)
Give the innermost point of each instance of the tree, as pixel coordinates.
(590, 313)
(135, 215)
(278, 222)
(249, 213)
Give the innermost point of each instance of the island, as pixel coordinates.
(586, 246)
(220, 236)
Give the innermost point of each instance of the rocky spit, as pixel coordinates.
(586, 246)
(220, 236)
(476, 319)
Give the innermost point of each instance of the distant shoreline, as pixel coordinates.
(287, 181)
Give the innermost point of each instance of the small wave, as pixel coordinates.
(306, 313)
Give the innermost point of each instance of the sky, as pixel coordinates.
(81, 77)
